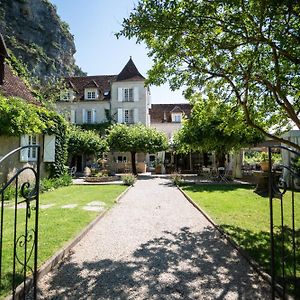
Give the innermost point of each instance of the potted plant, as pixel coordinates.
(264, 162)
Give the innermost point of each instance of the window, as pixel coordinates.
(29, 154)
(91, 95)
(89, 116)
(32, 152)
(176, 118)
(66, 96)
(127, 95)
(128, 116)
(121, 159)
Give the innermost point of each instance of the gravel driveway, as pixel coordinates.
(153, 245)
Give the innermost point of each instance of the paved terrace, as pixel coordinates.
(153, 245)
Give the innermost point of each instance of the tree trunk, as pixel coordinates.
(133, 165)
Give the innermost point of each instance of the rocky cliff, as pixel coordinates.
(38, 37)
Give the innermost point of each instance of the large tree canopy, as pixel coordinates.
(246, 51)
(219, 128)
(135, 139)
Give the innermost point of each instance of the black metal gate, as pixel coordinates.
(19, 229)
(284, 228)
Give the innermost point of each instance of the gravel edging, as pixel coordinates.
(53, 261)
(252, 262)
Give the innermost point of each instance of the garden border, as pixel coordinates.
(53, 261)
(252, 262)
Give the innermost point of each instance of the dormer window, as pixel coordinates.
(91, 94)
(67, 95)
(176, 117)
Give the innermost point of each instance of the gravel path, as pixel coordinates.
(153, 245)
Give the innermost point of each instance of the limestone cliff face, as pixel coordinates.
(36, 35)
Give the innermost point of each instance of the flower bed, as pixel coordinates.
(102, 179)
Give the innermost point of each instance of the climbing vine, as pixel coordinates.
(18, 117)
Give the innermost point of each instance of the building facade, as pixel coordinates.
(121, 98)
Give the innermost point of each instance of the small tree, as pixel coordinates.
(135, 139)
(85, 141)
(219, 128)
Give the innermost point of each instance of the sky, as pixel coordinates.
(98, 52)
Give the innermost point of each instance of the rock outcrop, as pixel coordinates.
(38, 37)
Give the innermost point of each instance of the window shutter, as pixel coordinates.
(120, 94)
(24, 152)
(49, 148)
(73, 116)
(94, 116)
(135, 94)
(120, 115)
(83, 116)
(135, 115)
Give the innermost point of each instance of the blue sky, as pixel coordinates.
(93, 24)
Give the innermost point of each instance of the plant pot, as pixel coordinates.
(264, 166)
(158, 169)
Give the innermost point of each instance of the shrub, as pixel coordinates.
(128, 179)
(176, 178)
(49, 184)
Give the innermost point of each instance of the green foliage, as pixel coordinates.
(48, 92)
(86, 141)
(19, 68)
(135, 139)
(18, 117)
(50, 184)
(215, 126)
(100, 128)
(246, 52)
(255, 157)
(128, 179)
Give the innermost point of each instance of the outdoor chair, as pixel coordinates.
(222, 176)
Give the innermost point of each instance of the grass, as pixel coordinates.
(245, 216)
(57, 225)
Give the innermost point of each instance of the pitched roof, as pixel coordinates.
(130, 72)
(160, 113)
(102, 82)
(13, 86)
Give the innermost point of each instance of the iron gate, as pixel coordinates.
(284, 232)
(19, 228)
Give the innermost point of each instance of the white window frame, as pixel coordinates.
(91, 94)
(29, 154)
(89, 116)
(176, 117)
(67, 95)
(128, 95)
(128, 116)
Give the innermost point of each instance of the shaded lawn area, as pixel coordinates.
(57, 225)
(245, 216)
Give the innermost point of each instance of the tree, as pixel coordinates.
(245, 51)
(86, 141)
(219, 128)
(135, 139)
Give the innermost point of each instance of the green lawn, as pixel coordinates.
(57, 225)
(245, 217)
